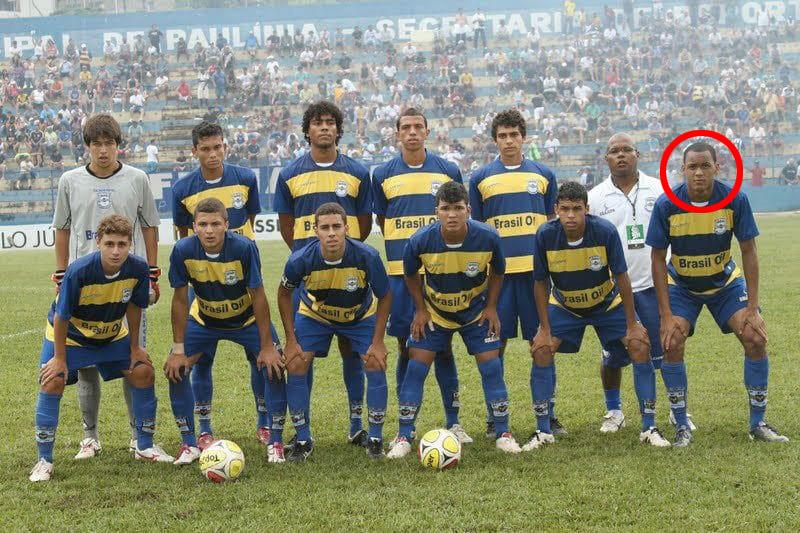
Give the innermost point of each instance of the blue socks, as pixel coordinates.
(297, 396)
(613, 401)
(756, 377)
(377, 397)
(258, 383)
(144, 412)
(489, 411)
(674, 375)
(203, 389)
(542, 391)
(402, 365)
(276, 394)
(553, 397)
(644, 381)
(447, 376)
(182, 400)
(353, 374)
(494, 390)
(411, 396)
(46, 422)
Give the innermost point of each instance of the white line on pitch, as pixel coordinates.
(18, 334)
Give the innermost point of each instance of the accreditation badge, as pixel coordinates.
(635, 236)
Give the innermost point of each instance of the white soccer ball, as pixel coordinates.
(222, 461)
(439, 449)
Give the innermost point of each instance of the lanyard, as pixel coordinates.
(635, 197)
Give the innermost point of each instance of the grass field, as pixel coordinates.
(585, 481)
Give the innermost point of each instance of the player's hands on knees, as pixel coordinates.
(175, 366)
(270, 358)
(422, 320)
(53, 369)
(139, 355)
(636, 333)
(293, 350)
(377, 352)
(753, 319)
(670, 325)
(490, 315)
(542, 343)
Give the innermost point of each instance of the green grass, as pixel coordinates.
(585, 481)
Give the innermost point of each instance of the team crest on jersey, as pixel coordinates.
(230, 277)
(649, 203)
(720, 226)
(435, 187)
(341, 189)
(238, 200)
(533, 187)
(104, 199)
(472, 269)
(351, 285)
(126, 295)
(595, 263)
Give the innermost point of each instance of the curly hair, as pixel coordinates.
(508, 117)
(204, 130)
(318, 110)
(115, 225)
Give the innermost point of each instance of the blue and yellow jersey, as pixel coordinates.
(94, 304)
(515, 202)
(701, 260)
(220, 281)
(237, 189)
(340, 292)
(406, 197)
(304, 185)
(582, 273)
(456, 277)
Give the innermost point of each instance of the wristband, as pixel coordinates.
(57, 277)
(177, 347)
(155, 273)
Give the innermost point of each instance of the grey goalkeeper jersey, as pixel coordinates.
(83, 200)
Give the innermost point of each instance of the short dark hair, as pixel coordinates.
(701, 146)
(508, 117)
(318, 110)
(572, 191)
(452, 192)
(204, 130)
(411, 112)
(101, 126)
(211, 205)
(330, 208)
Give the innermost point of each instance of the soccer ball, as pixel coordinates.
(222, 461)
(439, 449)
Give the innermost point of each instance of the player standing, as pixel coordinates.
(404, 189)
(85, 327)
(229, 304)
(344, 291)
(581, 255)
(85, 195)
(237, 188)
(701, 272)
(515, 196)
(464, 265)
(319, 176)
(626, 199)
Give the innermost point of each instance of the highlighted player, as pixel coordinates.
(85, 328)
(701, 272)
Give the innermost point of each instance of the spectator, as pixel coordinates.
(789, 175)
(757, 175)
(152, 156)
(478, 29)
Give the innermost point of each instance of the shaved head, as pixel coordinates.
(622, 158)
(620, 138)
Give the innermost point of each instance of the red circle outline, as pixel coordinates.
(737, 157)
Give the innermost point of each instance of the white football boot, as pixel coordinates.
(155, 454)
(691, 425)
(89, 448)
(462, 435)
(613, 420)
(653, 437)
(42, 471)
(538, 440)
(506, 443)
(187, 455)
(399, 449)
(275, 453)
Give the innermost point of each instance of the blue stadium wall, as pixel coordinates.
(402, 17)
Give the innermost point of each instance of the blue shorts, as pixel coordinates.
(610, 327)
(516, 303)
(110, 359)
(646, 305)
(315, 336)
(402, 311)
(475, 336)
(200, 339)
(722, 305)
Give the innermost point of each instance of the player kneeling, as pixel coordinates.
(224, 269)
(344, 292)
(464, 266)
(85, 327)
(582, 255)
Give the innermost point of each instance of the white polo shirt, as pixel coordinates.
(607, 201)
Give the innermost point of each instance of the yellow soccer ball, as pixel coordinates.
(222, 461)
(439, 449)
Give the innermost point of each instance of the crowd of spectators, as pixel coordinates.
(674, 70)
